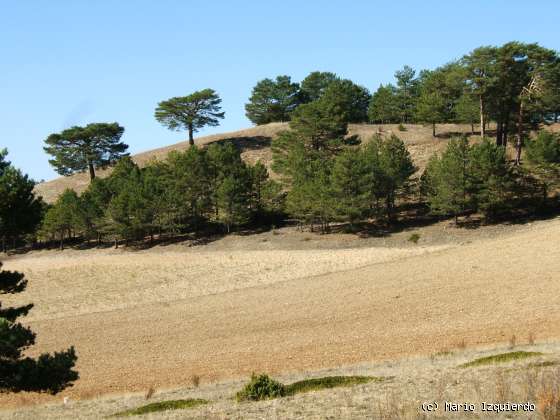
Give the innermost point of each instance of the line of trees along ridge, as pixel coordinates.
(325, 175)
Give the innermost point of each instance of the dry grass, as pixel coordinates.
(408, 383)
(155, 317)
(195, 381)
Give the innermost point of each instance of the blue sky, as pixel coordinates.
(70, 62)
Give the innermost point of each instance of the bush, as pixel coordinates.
(162, 406)
(327, 382)
(402, 127)
(545, 148)
(261, 387)
(414, 238)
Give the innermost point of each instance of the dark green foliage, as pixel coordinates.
(314, 85)
(328, 382)
(261, 387)
(501, 358)
(407, 93)
(474, 178)
(162, 406)
(272, 100)
(47, 373)
(188, 192)
(347, 100)
(64, 218)
(192, 112)
(467, 110)
(415, 237)
(449, 183)
(493, 183)
(544, 149)
(383, 106)
(351, 185)
(20, 210)
(79, 148)
(439, 91)
(394, 169)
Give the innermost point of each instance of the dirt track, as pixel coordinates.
(401, 304)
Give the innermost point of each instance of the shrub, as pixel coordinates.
(415, 237)
(501, 358)
(162, 406)
(261, 387)
(327, 382)
(545, 148)
(402, 127)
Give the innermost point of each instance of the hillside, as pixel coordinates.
(255, 145)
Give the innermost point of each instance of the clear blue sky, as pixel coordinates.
(69, 62)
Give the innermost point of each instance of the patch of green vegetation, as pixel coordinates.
(546, 363)
(501, 358)
(327, 382)
(162, 406)
(261, 387)
(414, 238)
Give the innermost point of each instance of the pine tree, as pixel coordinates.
(396, 168)
(407, 93)
(20, 210)
(79, 148)
(492, 181)
(47, 373)
(189, 188)
(347, 100)
(314, 85)
(65, 218)
(273, 100)
(448, 176)
(466, 110)
(192, 112)
(383, 106)
(232, 199)
(351, 189)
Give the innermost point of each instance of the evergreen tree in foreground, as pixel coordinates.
(20, 210)
(47, 373)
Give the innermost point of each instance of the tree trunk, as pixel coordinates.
(91, 171)
(519, 142)
(472, 128)
(433, 129)
(499, 128)
(4, 244)
(98, 239)
(191, 138)
(116, 243)
(61, 247)
(482, 122)
(505, 132)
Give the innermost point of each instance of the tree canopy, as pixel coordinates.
(273, 100)
(79, 148)
(192, 112)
